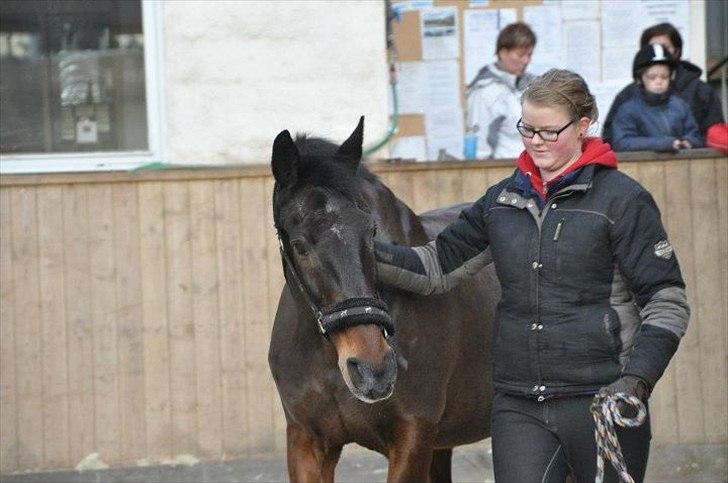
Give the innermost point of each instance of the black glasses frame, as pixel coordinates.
(530, 133)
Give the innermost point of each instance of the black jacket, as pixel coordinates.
(591, 288)
(702, 99)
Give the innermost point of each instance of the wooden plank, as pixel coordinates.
(721, 170)
(8, 387)
(706, 246)
(229, 261)
(425, 184)
(450, 188)
(28, 331)
(475, 183)
(102, 266)
(401, 185)
(257, 332)
(276, 281)
(79, 328)
(129, 322)
(663, 401)
(181, 325)
(153, 276)
(53, 319)
(206, 318)
(687, 359)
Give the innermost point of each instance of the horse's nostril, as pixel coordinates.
(355, 367)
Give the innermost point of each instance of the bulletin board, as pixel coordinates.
(595, 38)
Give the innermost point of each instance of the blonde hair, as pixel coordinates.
(563, 88)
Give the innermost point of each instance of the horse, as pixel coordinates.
(404, 375)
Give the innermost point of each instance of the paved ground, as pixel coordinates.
(694, 463)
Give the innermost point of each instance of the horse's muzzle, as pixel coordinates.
(370, 382)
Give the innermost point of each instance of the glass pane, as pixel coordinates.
(72, 76)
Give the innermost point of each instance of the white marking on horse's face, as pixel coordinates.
(336, 230)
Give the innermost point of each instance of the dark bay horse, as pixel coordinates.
(404, 375)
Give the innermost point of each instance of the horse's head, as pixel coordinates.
(327, 232)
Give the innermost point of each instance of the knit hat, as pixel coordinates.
(650, 55)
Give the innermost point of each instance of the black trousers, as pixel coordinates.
(544, 441)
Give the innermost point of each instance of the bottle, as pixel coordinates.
(470, 144)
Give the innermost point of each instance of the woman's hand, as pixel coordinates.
(686, 144)
(676, 144)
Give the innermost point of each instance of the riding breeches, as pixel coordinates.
(544, 441)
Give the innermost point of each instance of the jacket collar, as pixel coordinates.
(594, 152)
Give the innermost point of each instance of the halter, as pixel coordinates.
(348, 312)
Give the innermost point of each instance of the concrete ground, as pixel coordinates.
(472, 463)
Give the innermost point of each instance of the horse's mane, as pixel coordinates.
(318, 166)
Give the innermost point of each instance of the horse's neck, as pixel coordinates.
(396, 221)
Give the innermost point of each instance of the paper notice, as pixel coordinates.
(545, 21)
(409, 147)
(443, 85)
(444, 131)
(480, 31)
(411, 87)
(581, 38)
(440, 38)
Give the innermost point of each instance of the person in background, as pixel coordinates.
(702, 99)
(654, 119)
(493, 97)
(592, 298)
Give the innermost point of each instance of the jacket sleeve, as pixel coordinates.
(627, 136)
(690, 128)
(459, 251)
(484, 119)
(712, 112)
(647, 260)
(607, 130)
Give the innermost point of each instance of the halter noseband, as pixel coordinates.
(348, 312)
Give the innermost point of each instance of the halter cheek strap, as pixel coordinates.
(348, 312)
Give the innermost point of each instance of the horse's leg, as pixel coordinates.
(308, 460)
(410, 455)
(441, 468)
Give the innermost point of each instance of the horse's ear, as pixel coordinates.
(284, 161)
(350, 150)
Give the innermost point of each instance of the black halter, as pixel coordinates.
(348, 312)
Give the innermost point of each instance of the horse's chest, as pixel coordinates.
(330, 411)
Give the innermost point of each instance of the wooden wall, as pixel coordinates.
(135, 310)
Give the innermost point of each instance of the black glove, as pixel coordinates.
(630, 386)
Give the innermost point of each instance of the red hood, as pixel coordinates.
(594, 151)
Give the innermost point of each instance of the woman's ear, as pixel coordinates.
(583, 126)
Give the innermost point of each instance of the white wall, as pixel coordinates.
(236, 73)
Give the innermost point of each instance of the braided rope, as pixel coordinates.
(605, 412)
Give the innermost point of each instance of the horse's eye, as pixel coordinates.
(300, 248)
(374, 231)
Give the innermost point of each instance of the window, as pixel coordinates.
(78, 85)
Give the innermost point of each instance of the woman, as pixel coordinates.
(592, 295)
(494, 95)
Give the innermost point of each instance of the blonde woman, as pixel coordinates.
(592, 295)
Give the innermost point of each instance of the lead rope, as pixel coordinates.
(605, 412)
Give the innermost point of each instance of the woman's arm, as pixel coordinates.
(457, 252)
(627, 135)
(646, 258)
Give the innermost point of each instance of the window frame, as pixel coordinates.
(155, 110)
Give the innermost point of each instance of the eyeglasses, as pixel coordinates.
(546, 134)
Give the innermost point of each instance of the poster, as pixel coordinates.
(480, 32)
(582, 49)
(440, 36)
(545, 21)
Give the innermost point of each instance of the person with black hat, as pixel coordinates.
(701, 97)
(654, 119)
